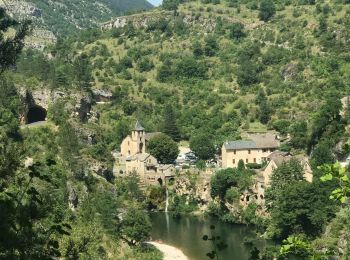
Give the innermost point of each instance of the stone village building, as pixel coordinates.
(133, 158)
(260, 148)
(257, 193)
(253, 150)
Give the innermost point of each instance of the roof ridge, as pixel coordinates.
(138, 126)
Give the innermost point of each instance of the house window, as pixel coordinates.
(264, 150)
(254, 160)
(234, 161)
(149, 161)
(128, 143)
(234, 151)
(129, 152)
(246, 160)
(249, 151)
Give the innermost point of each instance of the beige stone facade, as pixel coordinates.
(254, 150)
(256, 193)
(277, 158)
(134, 159)
(134, 143)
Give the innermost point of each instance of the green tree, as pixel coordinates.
(221, 182)
(265, 112)
(211, 46)
(197, 49)
(295, 205)
(286, 172)
(135, 226)
(237, 31)
(299, 134)
(171, 5)
(10, 47)
(203, 146)
(170, 127)
(322, 154)
(82, 72)
(341, 175)
(163, 148)
(296, 246)
(224, 180)
(26, 232)
(248, 73)
(267, 10)
(327, 123)
(145, 64)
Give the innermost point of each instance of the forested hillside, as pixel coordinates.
(215, 69)
(66, 17)
(222, 67)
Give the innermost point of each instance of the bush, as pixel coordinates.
(237, 31)
(253, 166)
(145, 64)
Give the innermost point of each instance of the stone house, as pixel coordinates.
(256, 193)
(133, 158)
(255, 149)
(277, 158)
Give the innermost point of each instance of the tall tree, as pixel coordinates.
(169, 125)
(163, 148)
(203, 146)
(267, 10)
(82, 71)
(24, 233)
(10, 47)
(295, 205)
(265, 112)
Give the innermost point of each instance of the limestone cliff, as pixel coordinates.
(194, 187)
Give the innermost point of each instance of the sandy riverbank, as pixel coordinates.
(170, 252)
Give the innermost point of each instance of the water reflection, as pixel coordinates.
(186, 234)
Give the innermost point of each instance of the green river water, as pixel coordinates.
(186, 234)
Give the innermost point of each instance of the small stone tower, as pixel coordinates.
(138, 135)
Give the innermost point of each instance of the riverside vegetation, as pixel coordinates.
(247, 65)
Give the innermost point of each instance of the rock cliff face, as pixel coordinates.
(79, 104)
(200, 190)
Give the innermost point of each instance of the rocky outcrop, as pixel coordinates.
(199, 191)
(290, 71)
(72, 197)
(78, 103)
(143, 20)
(101, 95)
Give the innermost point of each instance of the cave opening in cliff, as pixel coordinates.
(36, 114)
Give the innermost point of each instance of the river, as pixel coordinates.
(186, 234)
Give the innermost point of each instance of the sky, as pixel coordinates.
(155, 2)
